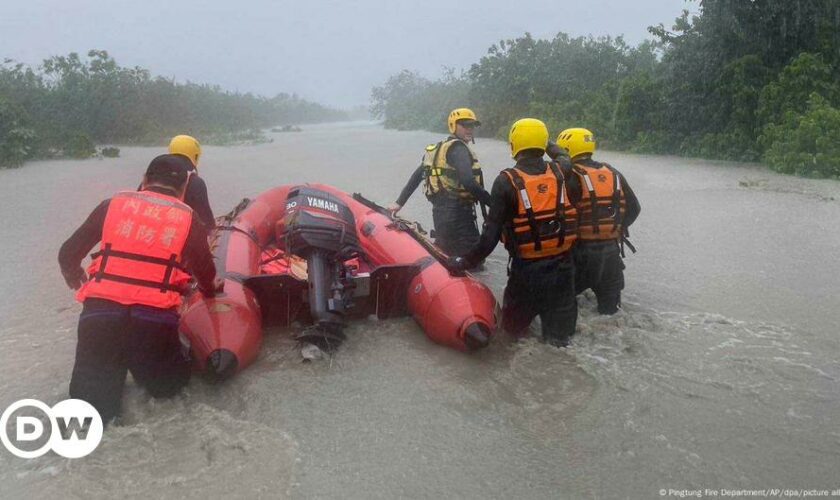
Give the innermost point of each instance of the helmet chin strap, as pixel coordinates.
(472, 139)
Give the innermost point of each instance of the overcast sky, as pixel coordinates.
(329, 51)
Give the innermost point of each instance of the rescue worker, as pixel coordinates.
(453, 183)
(149, 245)
(607, 208)
(196, 192)
(532, 212)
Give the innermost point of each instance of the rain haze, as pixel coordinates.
(342, 351)
(329, 52)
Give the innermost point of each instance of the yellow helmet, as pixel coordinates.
(461, 114)
(186, 145)
(576, 141)
(527, 133)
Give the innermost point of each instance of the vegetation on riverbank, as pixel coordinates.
(748, 81)
(68, 104)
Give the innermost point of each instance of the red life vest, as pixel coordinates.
(602, 210)
(140, 256)
(546, 221)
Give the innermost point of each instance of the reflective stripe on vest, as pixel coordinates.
(440, 177)
(546, 221)
(140, 255)
(602, 212)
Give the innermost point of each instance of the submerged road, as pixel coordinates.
(722, 372)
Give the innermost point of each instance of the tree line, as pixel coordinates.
(69, 103)
(741, 80)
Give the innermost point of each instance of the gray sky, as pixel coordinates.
(329, 51)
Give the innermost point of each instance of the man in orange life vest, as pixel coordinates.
(150, 243)
(532, 212)
(607, 208)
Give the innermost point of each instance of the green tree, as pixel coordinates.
(728, 82)
(806, 143)
(792, 89)
(16, 140)
(71, 102)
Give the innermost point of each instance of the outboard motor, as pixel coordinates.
(321, 229)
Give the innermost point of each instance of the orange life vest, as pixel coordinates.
(140, 256)
(546, 221)
(602, 206)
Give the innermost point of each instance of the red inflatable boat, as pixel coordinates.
(314, 254)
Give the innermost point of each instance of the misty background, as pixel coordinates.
(721, 371)
(327, 51)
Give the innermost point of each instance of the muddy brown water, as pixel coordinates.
(721, 372)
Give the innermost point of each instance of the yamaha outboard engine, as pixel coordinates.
(321, 229)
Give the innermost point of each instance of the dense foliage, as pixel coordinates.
(742, 80)
(69, 104)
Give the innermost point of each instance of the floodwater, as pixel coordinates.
(721, 372)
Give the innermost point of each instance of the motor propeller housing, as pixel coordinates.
(320, 228)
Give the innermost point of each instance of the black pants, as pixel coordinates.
(544, 288)
(113, 339)
(599, 266)
(456, 232)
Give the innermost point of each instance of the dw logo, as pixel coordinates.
(75, 428)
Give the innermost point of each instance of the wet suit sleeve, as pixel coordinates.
(555, 152)
(79, 244)
(196, 197)
(413, 182)
(197, 257)
(502, 203)
(633, 206)
(573, 186)
(458, 157)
